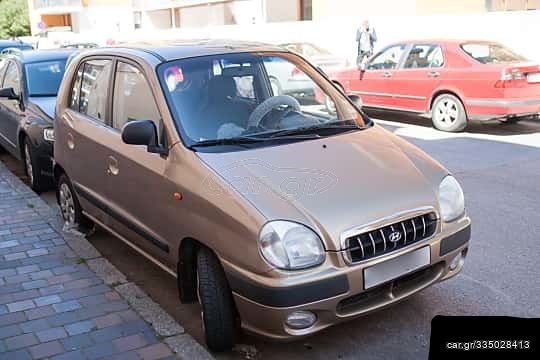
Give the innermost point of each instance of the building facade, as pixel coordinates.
(127, 15)
(123, 16)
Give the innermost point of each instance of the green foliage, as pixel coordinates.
(14, 20)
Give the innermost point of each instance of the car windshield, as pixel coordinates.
(43, 78)
(254, 97)
(491, 53)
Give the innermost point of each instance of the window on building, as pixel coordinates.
(137, 19)
(94, 86)
(424, 56)
(306, 10)
(508, 5)
(133, 99)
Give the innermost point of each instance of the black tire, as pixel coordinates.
(276, 86)
(513, 120)
(217, 304)
(448, 113)
(38, 182)
(79, 220)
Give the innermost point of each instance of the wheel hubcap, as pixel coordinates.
(28, 163)
(67, 204)
(447, 112)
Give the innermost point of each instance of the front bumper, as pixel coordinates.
(337, 294)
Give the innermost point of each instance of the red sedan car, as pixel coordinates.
(450, 80)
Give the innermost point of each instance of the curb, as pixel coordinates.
(172, 333)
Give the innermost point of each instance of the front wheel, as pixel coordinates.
(217, 305)
(448, 113)
(38, 183)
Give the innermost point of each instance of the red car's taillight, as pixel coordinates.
(510, 77)
(512, 74)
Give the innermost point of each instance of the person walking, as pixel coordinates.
(366, 38)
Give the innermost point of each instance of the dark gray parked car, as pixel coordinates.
(29, 82)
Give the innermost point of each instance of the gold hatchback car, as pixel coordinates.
(278, 215)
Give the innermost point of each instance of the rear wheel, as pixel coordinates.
(33, 170)
(448, 113)
(217, 305)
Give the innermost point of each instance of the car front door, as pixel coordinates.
(374, 83)
(140, 193)
(418, 78)
(84, 135)
(11, 109)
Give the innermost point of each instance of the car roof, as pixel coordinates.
(172, 50)
(30, 56)
(445, 41)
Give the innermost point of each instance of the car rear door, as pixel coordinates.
(140, 193)
(420, 74)
(374, 83)
(10, 109)
(83, 136)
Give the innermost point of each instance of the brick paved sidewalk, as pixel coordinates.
(60, 300)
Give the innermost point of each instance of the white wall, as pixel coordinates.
(518, 30)
(156, 19)
(282, 10)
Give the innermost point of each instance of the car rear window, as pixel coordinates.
(491, 53)
(43, 78)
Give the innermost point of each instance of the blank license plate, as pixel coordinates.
(533, 77)
(391, 269)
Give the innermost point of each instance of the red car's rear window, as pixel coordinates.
(491, 53)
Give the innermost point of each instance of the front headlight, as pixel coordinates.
(451, 199)
(290, 246)
(48, 134)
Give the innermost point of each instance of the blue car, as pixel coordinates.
(17, 44)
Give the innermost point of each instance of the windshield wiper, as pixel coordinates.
(245, 140)
(240, 140)
(314, 129)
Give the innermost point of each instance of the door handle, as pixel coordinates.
(387, 74)
(434, 74)
(112, 166)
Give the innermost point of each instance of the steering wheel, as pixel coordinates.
(267, 105)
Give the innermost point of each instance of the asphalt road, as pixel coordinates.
(499, 168)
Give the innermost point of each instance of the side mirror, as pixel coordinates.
(143, 132)
(356, 100)
(9, 94)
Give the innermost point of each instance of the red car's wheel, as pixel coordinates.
(448, 113)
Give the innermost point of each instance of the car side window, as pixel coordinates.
(94, 88)
(387, 59)
(76, 90)
(133, 99)
(424, 56)
(3, 66)
(12, 79)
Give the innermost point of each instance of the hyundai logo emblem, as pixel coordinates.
(394, 237)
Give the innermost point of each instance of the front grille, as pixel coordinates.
(390, 238)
